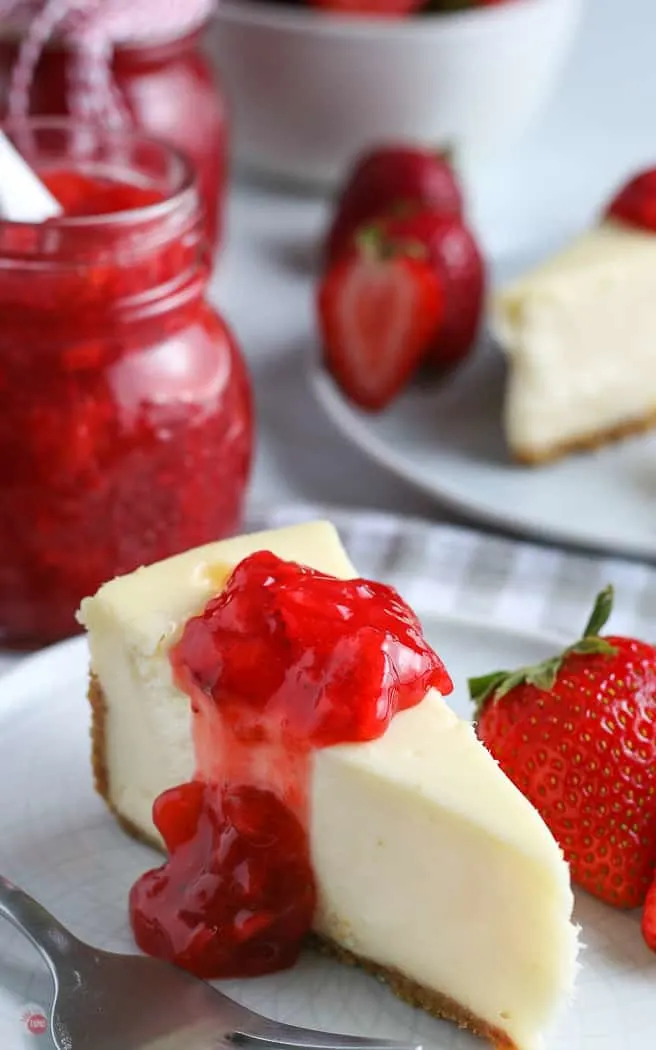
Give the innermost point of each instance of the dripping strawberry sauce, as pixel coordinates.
(284, 662)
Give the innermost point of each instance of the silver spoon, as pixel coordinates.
(23, 197)
(105, 1001)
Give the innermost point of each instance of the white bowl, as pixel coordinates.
(310, 90)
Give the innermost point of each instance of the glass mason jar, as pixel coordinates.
(125, 408)
(170, 89)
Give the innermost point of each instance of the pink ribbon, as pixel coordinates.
(92, 28)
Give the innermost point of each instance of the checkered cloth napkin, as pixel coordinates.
(457, 571)
(441, 568)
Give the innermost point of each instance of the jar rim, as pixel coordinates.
(183, 190)
(14, 31)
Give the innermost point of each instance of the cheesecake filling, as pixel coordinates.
(578, 331)
(284, 662)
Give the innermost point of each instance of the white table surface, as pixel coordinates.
(599, 127)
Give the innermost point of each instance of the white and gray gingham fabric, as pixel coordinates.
(457, 571)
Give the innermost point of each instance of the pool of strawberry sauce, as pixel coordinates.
(126, 427)
(283, 662)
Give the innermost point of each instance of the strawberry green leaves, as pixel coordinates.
(494, 686)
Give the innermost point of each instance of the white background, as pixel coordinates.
(599, 127)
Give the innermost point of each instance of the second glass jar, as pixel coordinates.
(170, 89)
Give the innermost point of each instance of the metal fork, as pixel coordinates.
(106, 1001)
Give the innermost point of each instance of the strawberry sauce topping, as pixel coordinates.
(83, 195)
(285, 661)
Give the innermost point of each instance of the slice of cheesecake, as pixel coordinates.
(580, 332)
(432, 870)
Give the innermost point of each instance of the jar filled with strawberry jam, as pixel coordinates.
(125, 410)
(143, 64)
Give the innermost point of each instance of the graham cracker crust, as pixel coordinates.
(439, 1006)
(586, 442)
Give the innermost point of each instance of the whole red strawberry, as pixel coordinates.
(635, 204)
(370, 8)
(577, 735)
(379, 310)
(463, 5)
(385, 178)
(453, 251)
(649, 917)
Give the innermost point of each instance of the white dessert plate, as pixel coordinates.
(59, 842)
(446, 439)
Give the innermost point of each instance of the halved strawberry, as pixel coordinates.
(453, 251)
(385, 178)
(380, 309)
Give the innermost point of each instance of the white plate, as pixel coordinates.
(447, 440)
(59, 842)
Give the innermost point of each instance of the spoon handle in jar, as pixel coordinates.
(23, 197)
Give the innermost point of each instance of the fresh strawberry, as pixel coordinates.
(379, 309)
(453, 251)
(577, 735)
(462, 5)
(649, 917)
(388, 177)
(635, 204)
(370, 8)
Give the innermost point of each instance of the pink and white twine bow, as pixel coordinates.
(91, 28)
